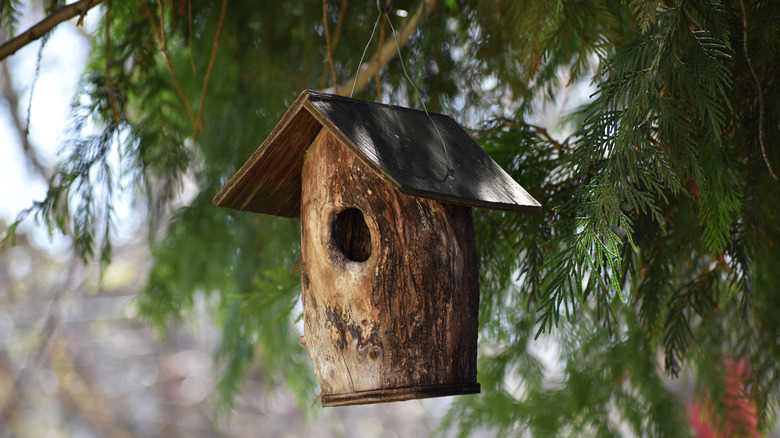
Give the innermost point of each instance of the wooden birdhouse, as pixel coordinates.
(389, 267)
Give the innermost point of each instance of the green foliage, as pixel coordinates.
(658, 235)
(10, 11)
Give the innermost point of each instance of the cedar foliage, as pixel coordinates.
(656, 248)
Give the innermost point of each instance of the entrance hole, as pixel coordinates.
(351, 235)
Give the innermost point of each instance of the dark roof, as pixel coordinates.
(399, 144)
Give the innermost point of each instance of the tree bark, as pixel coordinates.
(42, 27)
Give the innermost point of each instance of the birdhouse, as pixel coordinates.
(389, 278)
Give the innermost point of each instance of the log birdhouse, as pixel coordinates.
(389, 267)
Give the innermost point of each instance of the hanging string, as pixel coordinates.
(384, 11)
(364, 52)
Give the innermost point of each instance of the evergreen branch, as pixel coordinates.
(198, 121)
(698, 297)
(44, 26)
(740, 266)
(107, 68)
(160, 34)
(758, 89)
(9, 16)
(367, 71)
(540, 130)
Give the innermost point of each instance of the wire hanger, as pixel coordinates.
(385, 12)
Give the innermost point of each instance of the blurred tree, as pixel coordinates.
(658, 237)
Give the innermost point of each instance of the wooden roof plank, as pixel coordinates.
(405, 146)
(270, 181)
(399, 144)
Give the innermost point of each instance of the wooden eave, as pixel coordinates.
(399, 144)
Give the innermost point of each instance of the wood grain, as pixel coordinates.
(400, 144)
(403, 323)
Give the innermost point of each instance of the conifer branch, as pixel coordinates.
(758, 89)
(160, 34)
(44, 26)
(540, 130)
(107, 68)
(198, 122)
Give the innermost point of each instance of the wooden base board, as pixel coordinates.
(399, 394)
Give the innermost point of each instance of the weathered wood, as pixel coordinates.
(399, 394)
(399, 144)
(270, 181)
(404, 147)
(390, 296)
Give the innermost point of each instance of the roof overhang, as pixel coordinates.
(400, 144)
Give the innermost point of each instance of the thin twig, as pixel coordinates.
(44, 26)
(323, 80)
(339, 24)
(189, 34)
(198, 124)
(758, 89)
(80, 21)
(36, 75)
(367, 71)
(160, 34)
(328, 46)
(13, 104)
(161, 17)
(107, 55)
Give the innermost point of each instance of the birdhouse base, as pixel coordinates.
(399, 394)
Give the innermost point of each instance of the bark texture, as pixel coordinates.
(390, 288)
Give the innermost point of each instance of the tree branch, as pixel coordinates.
(198, 121)
(387, 52)
(328, 45)
(44, 26)
(159, 33)
(11, 96)
(758, 89)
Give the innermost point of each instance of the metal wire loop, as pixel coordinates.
(386, 9)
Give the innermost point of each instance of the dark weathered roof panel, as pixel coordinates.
(403, 145)
(400, 144)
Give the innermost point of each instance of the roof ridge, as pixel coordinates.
(328, 96)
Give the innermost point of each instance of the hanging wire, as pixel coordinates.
(384, 11)
(357, 73)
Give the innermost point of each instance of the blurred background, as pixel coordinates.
(75, 358)
(192, 328)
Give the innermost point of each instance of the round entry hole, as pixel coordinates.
(351, 235)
